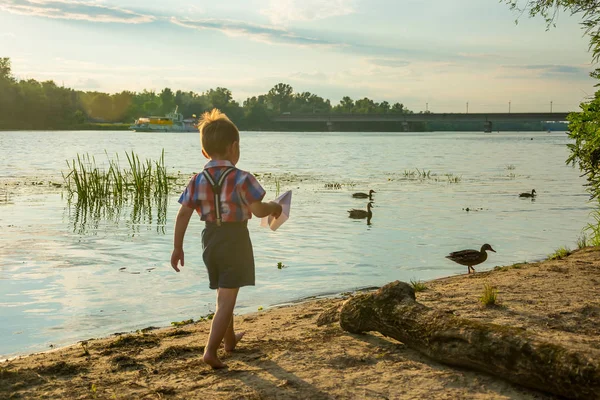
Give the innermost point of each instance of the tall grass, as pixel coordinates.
(489, 297)
(99, 193)
(91, 183)
(592, 230)
(560, 253)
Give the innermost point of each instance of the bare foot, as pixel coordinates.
(213, 361)
(238, 337)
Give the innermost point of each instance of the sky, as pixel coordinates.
(437, 55)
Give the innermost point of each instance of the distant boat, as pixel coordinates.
(172, 122)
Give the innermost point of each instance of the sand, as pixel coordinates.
(285, 355)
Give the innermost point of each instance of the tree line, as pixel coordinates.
(31, 104)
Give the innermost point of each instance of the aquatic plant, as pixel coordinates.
(560, 253)
(510, 167)
(280, 265)
(422, 174)
(418, 286)
(90, 182)
(453, 178)
(98, 194)
(489, 296)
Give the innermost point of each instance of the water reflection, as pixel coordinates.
(137, 211)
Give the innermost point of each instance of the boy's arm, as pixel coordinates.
(181, 224)
(261, 209)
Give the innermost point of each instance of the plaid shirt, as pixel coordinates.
(240, 189)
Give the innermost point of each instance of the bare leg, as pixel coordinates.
(231, 338)
(221, 322)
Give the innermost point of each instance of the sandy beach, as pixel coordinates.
(285, 355)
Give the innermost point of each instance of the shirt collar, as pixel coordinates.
(218, 163)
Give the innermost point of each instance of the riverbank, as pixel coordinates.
(284, 355)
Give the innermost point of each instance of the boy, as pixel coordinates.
(225, 198)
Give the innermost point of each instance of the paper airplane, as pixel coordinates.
(285, 200)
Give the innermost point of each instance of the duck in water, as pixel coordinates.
(361, 195)
(470, 257)
(361, 214)
(532, 194)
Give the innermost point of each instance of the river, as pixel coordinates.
(64, 279)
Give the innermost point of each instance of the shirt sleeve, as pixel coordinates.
(251, 191)
(190, 196)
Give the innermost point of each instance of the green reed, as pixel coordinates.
(91, 183)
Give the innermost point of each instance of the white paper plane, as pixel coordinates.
(285, 200)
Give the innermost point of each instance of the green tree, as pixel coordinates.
(280, 96)
(345, 107)
(5, 69)
(167, 99)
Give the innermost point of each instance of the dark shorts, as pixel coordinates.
(228, 255)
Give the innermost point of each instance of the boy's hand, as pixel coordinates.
(276, 209)
(176, 257)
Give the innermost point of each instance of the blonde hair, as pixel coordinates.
(217, 132)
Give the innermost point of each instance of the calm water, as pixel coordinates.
(67, 276)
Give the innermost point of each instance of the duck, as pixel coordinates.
(532, 194)
(360, 214)
(361, 195)
(470, 257)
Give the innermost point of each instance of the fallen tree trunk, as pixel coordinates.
(508, 352)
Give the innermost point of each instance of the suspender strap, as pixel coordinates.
(216, 187)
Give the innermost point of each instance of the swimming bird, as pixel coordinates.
(532, 194)
(361, 195)
(360, 214)
(470, 257)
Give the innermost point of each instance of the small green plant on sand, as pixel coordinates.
(93, 391)
(182, 323)
(418, 286)
(560, 253)
(207, 317)
(582, 241)
(84, 346)
(490, 296)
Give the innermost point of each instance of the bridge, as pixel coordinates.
(487, 119)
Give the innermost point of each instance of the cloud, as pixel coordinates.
(260, 33)
(285, 11)
(88, 84)
(389, 62)
(74, 10)
(7, 35)
(549, 70)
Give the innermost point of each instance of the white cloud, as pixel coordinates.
(7, 35)
(260, 33)
(74, 10)
(285, 11)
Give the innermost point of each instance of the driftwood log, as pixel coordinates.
(508, 352)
